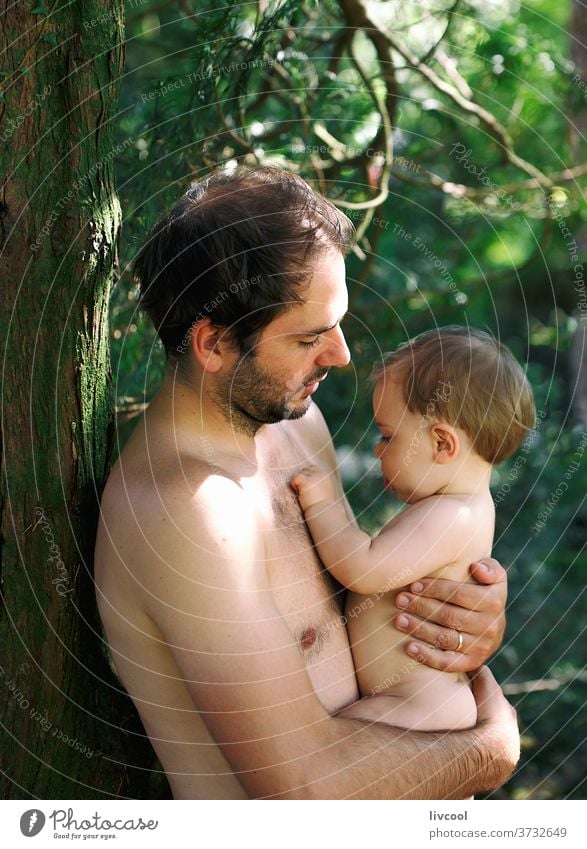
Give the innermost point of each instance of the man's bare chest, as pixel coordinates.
(306, 595)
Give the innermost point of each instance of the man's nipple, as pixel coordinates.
(308, 638)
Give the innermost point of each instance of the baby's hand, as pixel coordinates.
(312, 485)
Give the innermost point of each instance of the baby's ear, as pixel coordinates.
(446, 444)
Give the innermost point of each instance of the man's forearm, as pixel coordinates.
(377, 761)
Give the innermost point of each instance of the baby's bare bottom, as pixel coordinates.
(449, 707)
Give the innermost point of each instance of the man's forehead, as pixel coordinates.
(311, 316)
(324, 302)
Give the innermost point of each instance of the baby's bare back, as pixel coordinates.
(396, 688)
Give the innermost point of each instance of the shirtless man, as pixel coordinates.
(222, 623)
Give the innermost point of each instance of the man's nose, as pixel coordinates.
(337, 352)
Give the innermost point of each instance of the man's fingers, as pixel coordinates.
(486, 690)
(468, 595)
(440, 638)
(441, 613)
(442, 645)
(488, 694)
(484, 683)
(470, 607)
(495, 712)
(488, 571)
(446, 661)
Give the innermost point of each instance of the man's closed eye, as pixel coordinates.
(311, 344)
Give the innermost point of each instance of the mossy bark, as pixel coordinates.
(66, 728)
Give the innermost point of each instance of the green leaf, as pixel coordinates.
(40, 10)
(51, 37)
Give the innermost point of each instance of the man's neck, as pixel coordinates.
(191, 414)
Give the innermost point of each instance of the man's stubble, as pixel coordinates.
(249, 397)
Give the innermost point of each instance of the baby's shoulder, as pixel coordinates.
(439, 514)
(462, 506)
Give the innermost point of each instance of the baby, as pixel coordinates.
(448, 404)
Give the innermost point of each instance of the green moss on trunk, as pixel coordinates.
(61, 733)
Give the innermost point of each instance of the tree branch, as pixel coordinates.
(386, 109)
(450, 16)
(459, 190)
(544, 683)
(449, 66)
(356, 10)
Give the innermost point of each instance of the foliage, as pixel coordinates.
(479, 220)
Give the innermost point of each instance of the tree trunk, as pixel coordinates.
(578, 127)
(67, 730)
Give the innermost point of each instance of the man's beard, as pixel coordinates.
(249, 397)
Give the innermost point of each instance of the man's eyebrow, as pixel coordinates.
(320, 330)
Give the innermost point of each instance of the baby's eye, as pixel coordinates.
(385, 439)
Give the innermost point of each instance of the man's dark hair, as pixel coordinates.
(240, 248)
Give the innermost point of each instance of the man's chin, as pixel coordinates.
(297, 409)
(291, 411)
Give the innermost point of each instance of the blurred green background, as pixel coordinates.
(466, 235)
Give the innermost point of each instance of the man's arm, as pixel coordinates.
(215, 609)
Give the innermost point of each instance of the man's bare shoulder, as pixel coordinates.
(199, 531)
(187, 489)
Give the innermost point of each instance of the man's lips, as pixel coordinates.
(316, 378)
(311, 387)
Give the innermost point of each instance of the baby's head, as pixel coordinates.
(459, 381)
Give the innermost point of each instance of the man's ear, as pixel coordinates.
(446, 444)
(209, 345)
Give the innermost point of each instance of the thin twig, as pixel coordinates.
(449, 66)
(386, 111)
(450, 15)
(356, 10)
(544, 683)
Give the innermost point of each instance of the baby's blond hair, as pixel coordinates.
(468, 379)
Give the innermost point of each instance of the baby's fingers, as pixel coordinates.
(297, 482)
(304, 477)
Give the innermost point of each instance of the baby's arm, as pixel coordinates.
(426, 536)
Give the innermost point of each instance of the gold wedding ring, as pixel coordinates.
(461, 641)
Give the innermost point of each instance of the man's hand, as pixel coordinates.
(498, 729)
(313, 485)
(437, 610)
